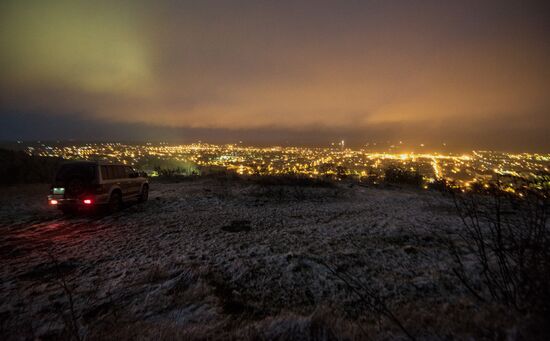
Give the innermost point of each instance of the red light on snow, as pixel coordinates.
(53, 202)
(87, 201)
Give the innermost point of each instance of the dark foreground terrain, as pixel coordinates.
(210, 259)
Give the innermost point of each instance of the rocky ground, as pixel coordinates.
(231, 259)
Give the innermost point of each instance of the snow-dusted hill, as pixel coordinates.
(219, 259)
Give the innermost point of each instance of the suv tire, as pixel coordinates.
(115, 202)
(144, 195)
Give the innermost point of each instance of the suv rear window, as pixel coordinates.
(83, 171)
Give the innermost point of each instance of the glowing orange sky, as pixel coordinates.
(240, 65)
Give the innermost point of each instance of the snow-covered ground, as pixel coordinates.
(232, 259)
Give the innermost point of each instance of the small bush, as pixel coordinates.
(17, 167)
(441, 185)
(398, 175)
(175, 171)
(290, 180)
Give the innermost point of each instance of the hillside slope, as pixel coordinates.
(216, 259)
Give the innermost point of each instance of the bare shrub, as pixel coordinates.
(67, 314)
(80, 312)
(369, 298)
(505, 245)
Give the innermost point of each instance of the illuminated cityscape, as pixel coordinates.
(274, 170)
(336, 162)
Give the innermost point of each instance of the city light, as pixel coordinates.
(463, 170)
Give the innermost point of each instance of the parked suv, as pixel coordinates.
(85, 184)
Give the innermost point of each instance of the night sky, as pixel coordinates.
(471, 74)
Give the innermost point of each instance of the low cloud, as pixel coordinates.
(429, 71)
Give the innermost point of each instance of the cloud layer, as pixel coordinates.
(427, 71)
